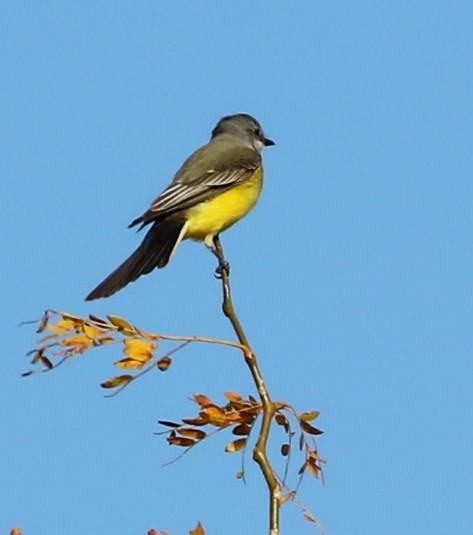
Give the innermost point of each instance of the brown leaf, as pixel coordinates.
(189, 432)
(310, 429)
(285, 449)
(236, 445)
(282, 420)
(241, 429)
(309, 416)
(216, 416)
(98, 321)
(164, 363)
(240, 475)
(46, 362)
(168, 423)
(204, 420)
(120, 380)
(232, 396)
(181, 441)
(246, 417)
(43, 322)
(129, 364)
(202, 400)
(309, 517)
(313, 468)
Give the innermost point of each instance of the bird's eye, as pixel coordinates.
(257, 132)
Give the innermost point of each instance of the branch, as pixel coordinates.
(269, 409)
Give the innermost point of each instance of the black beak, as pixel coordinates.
(268, 142)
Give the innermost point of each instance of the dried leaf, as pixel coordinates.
(129, 364)
(202, 400)
(199, 530)
(46, 362)
(181, 441)
(138, 349)
(81, 340)
(313, 468)
(90, 332)
(288, 496)
(236, 445)
(189, 432)
(282, 420)
(240, 475)
(310, 429)
(241, 429)
(309, 416)
(246, 417)
(121, 323)
(216, 415)
(309, 517)
(232, 396)
(164, 363)
(204, 420)
(285, 449)
(97, 320)
(168, 423)
(43, 323)
(120, 380)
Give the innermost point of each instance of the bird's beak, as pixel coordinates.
(268, 142)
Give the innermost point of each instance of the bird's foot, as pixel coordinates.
(223, 265)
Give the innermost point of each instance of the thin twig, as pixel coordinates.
(269, 409)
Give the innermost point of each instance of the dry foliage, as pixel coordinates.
(66, 336)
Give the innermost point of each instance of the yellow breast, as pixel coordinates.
(209, 218)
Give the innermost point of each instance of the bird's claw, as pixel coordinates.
(222, 266)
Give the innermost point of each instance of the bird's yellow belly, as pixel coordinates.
(211, 217)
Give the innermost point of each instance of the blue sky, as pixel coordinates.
(352, 276)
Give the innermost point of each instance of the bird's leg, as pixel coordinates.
(216, 249)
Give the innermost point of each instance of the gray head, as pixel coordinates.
(244, 127)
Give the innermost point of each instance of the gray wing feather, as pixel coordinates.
(179, 196)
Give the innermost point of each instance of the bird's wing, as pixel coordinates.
(193, 184)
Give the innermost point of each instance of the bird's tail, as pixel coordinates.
(155, 250)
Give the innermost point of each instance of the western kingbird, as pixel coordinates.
(216, 186)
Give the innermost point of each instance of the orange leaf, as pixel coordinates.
(216, 415)
(199, 530)
(232, 396)
(202, 400)
(313, 468)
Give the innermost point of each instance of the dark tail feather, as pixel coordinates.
(155, 251)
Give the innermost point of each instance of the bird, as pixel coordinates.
(216, 186)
